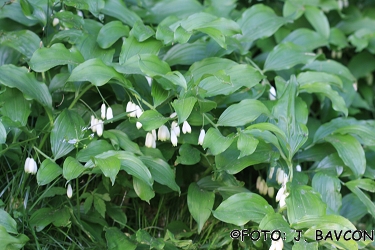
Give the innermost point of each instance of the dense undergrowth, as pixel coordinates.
(168, 124)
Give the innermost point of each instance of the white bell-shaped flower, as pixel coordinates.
(55, 22)
(298, 168)
(173, 138)
(202, 134)
(100, 128)
(27, 165)
(163, 133)
(176, 128)
(109, 114)
(153, 132)
(138, 111)
(186, 127)
(138, 125)
(102, 111)
(30, 166)
(92, 124)
(272, 94)
(69, 191)
(271, 191)
(173, 115)
(277, 245)
(149, 140)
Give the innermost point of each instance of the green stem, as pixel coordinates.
(40, 152)
(79, 96)
(209, 120)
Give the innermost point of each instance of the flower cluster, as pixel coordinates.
(97, 125)
(281, 178)
(134, 110)
(263, 189)
(30, 166)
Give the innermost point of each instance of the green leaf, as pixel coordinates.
(18, 77)
(318, 20)
(338, 102)
(15, 106)
(260, 21)
(246, 144)
(88, 203)
(183, 107)
(99, 205)
(47, 172)
(330, 127)
(93, 148)
(352, 185)
(72, 168)
(311, 77)
(67, 126)
(360, 69)
(42, 218)
(188, 155)
(242, 113)
(329, 187)
(152, 119)
(110, 167)
(332, 67)
(119, 138)
(117, 240)
(69, 20)
(216, 142)
(132, 47)
(24, 41)
(7, 222)
(161, 172)
(96, 72)
(110, 33)
(287, 55)
(118, 9)
(200, 204)
(300, 201)
(350, 151)
(46, 58)
(143, 190)
(366, 184)
(363, 132)
(352, 207)
(3, 133)
(186, 54)
(141, 32)
(241, 208)
(94, 6)
(8, 241)
(275, 220)
(306, 38)
(118, 215)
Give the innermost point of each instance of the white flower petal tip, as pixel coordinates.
(69, 191)
(186, 127)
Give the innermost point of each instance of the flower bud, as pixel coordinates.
(272, 170)
(271, 192)
(92, 124)
(272, 94)
(298, 168)
(173, 138)
(100, 128)
(102, 111)
(69, 191)
(173, 115)
(186, 127)
(138, 125)
(202, 134)
(27, 165)
(55, 22)
(163, 133)
(109, 113)
(149, 140)
(259, 179)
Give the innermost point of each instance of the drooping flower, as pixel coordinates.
(186, 127)
(202, 134)
(55, 22)
(149, 140)
(175, 128)
(30, 166)
(298, 168)
(163, 133)
(173, 115)
(69, 191)
(109, 114)
(93, 127)
(277, 245)
(131, 109)
(100, 128)
(271, 192)
(138, 111)
(272, 94)
(102, 111)
(173, 138)
(138, 125)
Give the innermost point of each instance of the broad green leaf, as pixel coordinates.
(187, 53)
(94, 6)
(352, 185)
(42, 218)
(14, 11)
(47, 172)
(304, 245)
(69, 20)
(287, 55)
(118, 9)
(24, 41)
(300, 201)
(110, 167)
(350, 151)
(357, 66)
(242, 208)
(117, 240)
(72, 168)
(176, 78)
(216, 142)
(200, 204)
(146, 238)
(330, 127)
(318, 20)
(275, 220)
(338, 102)
(20, 78)
(352, 207)
(143, 189)
(366, 184)
(67, 126)
(331, 164)
(110, 33)
(306, 38)
(364, 132)
(209, 65)
(338, 38)
(119, 138)
(260, 21)
(188, 155)
(141, 32)
(161, 172)
(329, 187)
(132, 47)
(99, 205)
(332, 67)
(246, 144)
(8, 241)
(242, 113)
(183, 107)
(96, 72)
(3, 133)
(129, 163)
(8, 222)
(93, 148)
(46, 58)
(152, 66)
(152, 119)
(117, 214)
(15, 106)
(311, 77)
(159, 94)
